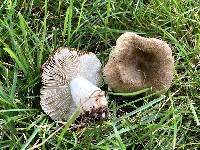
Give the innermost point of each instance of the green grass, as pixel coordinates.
(31, 30)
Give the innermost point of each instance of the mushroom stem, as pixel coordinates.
(87, 96)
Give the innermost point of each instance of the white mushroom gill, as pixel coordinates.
(69, 82)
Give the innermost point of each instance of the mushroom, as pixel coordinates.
(137, 62)
(69, 83)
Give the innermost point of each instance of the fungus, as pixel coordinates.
(137, 62)
(69, 83)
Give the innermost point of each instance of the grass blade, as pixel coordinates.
(17, 110)
(130, 94)
(40, 52)
(67, 125)
(80, 17)
(13, 88)
(119, 139)
(65, 23)
(146, 106)
(35, 132)
(70, 21)
(14, 56)
(24, 33)
(193, 112)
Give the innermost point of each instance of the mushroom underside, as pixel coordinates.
(58, 72)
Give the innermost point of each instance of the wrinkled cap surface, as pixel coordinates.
(137, 62)
(58, 71)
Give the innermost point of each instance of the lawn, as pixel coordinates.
(31, 30)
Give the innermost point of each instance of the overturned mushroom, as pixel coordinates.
(137, 62)
(69, 82)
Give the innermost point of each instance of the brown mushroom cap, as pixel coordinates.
(137, 62)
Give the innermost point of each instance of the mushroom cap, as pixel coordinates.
(137, 62)
(58, 72)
